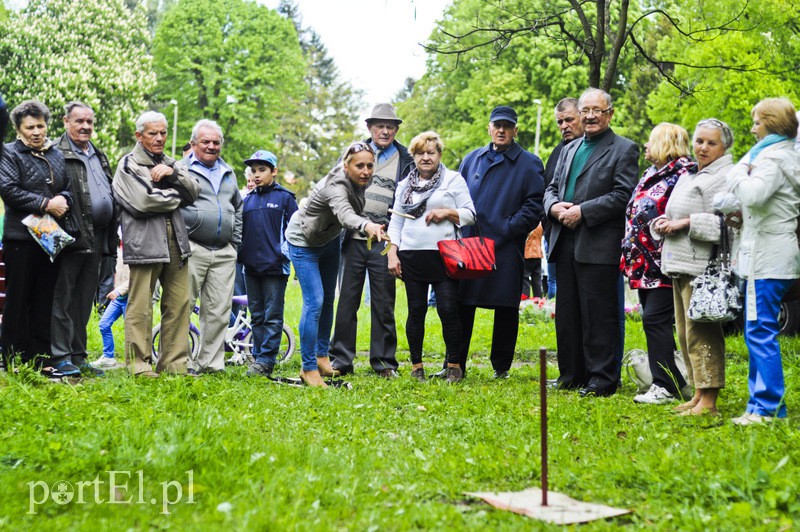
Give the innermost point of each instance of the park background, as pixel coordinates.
(393, 455)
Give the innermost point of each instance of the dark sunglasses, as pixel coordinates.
(359, 146)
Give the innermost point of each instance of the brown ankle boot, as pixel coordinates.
(313, 379)
(325, 368)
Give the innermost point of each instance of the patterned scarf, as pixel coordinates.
(426, 189)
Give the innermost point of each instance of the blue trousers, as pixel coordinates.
(115, 309)
(316, 269)
(265, 296)
(765, 380)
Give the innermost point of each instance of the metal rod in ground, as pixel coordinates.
(543, 407)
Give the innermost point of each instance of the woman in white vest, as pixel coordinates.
(429, 205)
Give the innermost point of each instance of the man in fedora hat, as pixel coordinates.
(392, 164)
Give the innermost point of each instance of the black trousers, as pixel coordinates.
(358, 262)
(30, 287)
(532, 278)
(447, 308)
(76, 287)
(504, 336)
(658, 315)
(587, 321)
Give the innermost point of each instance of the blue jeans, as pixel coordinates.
(265, 296)
(239, 289)
(316, 269)
(114, 310)
(765, 380)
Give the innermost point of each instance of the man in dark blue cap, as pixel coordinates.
(506, 185)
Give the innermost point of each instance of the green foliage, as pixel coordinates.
(94, 51)
(393, 455)
(770, 51)
(315, 129)
(232, 61)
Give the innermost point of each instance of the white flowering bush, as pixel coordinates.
(95, 51)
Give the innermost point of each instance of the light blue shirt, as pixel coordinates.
(213, 173)
(385, 154)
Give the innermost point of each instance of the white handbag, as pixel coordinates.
(715, 296)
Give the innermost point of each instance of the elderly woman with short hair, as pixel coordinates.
(690, 228)
(430, 204)
(33, 180)
(767, 183)
(668, 152)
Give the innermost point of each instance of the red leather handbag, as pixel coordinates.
(468, 258)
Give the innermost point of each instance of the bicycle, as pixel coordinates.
(238, 338)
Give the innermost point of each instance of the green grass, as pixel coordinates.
(386, 455)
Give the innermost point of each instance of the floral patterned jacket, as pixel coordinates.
(641, 253)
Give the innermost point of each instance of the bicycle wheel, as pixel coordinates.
(194, 342)
(288, 344)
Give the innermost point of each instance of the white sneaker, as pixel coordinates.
(105, 362)
(751, 418)
(656, 395)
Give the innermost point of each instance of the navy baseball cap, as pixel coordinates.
(503, 112)
(263, 156)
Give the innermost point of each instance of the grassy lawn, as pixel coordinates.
(242, 453)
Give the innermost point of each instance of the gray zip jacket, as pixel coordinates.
(146, 207)
(334, 204)
(214, 220)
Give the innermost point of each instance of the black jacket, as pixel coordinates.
(82, 204)
(28, 180)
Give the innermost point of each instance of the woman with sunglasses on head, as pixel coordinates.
(429, 205)
(313, 239)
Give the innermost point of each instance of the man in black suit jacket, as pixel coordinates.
(585, 202)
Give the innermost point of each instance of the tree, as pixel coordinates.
(729, 94)
(232, 61)
(314, 131)
(94, 51)
(456, 94)
(594, 33)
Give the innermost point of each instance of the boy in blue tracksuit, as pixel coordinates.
(266, 213)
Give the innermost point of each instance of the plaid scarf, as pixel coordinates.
(426, 189)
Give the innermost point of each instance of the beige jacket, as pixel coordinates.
(336, 203)
(688, 252)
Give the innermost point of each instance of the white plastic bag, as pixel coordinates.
(47, 233)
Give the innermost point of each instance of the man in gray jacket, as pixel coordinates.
(214, 222)
(150, 187)
(593, 181)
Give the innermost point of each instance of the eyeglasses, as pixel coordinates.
(597, 112)
(359, 146)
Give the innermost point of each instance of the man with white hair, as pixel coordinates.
(151, 187)
(214, 222)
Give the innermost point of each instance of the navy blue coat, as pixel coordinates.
(508, 205)
(265, 215)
